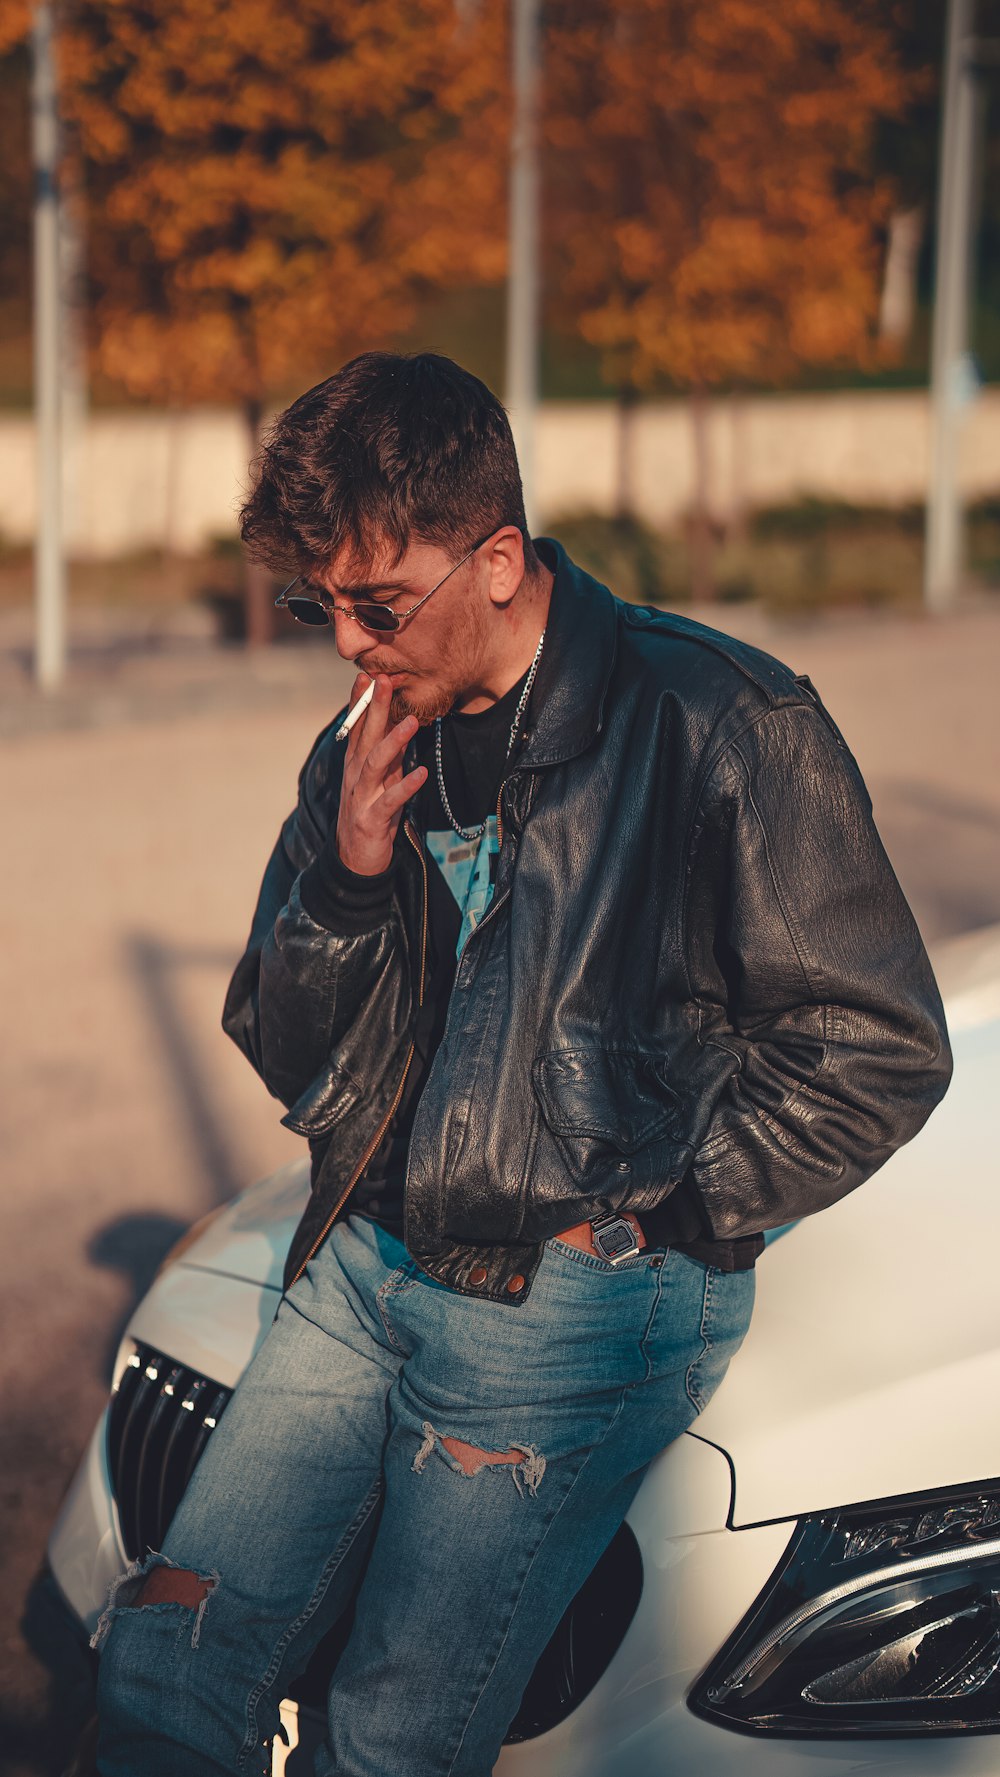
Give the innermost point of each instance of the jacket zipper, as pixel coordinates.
(494, 903)
(391, 1112)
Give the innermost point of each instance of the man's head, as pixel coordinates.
(374, 485)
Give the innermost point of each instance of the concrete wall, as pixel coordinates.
(866, 447)
(137, 480)
(152, 480)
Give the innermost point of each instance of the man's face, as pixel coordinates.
(436, 656)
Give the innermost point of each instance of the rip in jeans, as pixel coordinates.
(126, 1590)
(526, 1463)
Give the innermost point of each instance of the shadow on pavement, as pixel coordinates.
(47, 1743)
(154, 966)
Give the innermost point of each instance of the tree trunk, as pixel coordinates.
(171, 569)
(737, 528)
(258, 588)
(899, 277)
(702, 540)
(73, 367)
(625, 458)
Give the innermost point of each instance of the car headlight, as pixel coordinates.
(879, 1620)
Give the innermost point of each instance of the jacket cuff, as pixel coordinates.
(341, 901)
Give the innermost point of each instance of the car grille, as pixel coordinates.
(160, 1419)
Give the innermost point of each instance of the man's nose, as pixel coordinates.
(351, 637)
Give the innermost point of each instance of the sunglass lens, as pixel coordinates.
(307, 610)
(376, 617)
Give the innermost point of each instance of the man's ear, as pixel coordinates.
(505, 562)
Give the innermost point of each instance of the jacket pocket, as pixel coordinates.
(611, 1114)
(325, 1102)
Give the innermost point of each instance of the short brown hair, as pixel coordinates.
(393, 447)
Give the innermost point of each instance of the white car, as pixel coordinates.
(808, 1582)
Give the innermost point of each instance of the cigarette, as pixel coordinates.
(356, 714)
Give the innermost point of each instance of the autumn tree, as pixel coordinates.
(714, 211)
(15, 208)
(272, 186)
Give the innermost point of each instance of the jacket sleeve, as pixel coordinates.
(830, 1035)
(317, 952)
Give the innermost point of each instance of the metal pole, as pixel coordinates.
(50, 589)
(944, 546)
(72, 347)
(522, 277)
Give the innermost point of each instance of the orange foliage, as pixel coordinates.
(271, 185)
(15, 24)
(713, 212)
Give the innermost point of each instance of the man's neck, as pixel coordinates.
(518, 645)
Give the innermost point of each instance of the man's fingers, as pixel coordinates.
(384, 755)
(370, 728)
(394, 798)
(359, 687)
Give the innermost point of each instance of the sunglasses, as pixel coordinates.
(315, 605)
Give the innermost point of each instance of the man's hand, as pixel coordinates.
(375, 791)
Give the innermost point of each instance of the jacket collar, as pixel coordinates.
(581, 635)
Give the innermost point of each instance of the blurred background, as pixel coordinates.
(735, 270)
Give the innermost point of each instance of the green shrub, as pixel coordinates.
(225, 546)
(812, 555)
(813, 515)
(636, 561)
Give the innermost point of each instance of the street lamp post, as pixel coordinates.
(50, 588)
(523, 275)
(951, 374)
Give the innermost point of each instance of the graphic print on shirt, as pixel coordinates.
(465, 866)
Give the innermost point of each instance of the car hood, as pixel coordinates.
(873, 1358)
(249, 1238)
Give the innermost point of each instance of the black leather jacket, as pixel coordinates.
(698, 967)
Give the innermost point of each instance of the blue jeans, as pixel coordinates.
(357, 1435)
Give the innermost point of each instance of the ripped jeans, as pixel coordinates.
(472, 1460)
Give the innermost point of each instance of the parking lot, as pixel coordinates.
(137, 811)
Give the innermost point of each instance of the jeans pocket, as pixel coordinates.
(592, 1261)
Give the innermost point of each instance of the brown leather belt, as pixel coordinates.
(581, 1235)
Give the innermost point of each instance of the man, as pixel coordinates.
(579, 964)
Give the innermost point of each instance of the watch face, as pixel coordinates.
(616, 1240)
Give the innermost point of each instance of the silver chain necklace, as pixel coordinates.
(470, 833)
